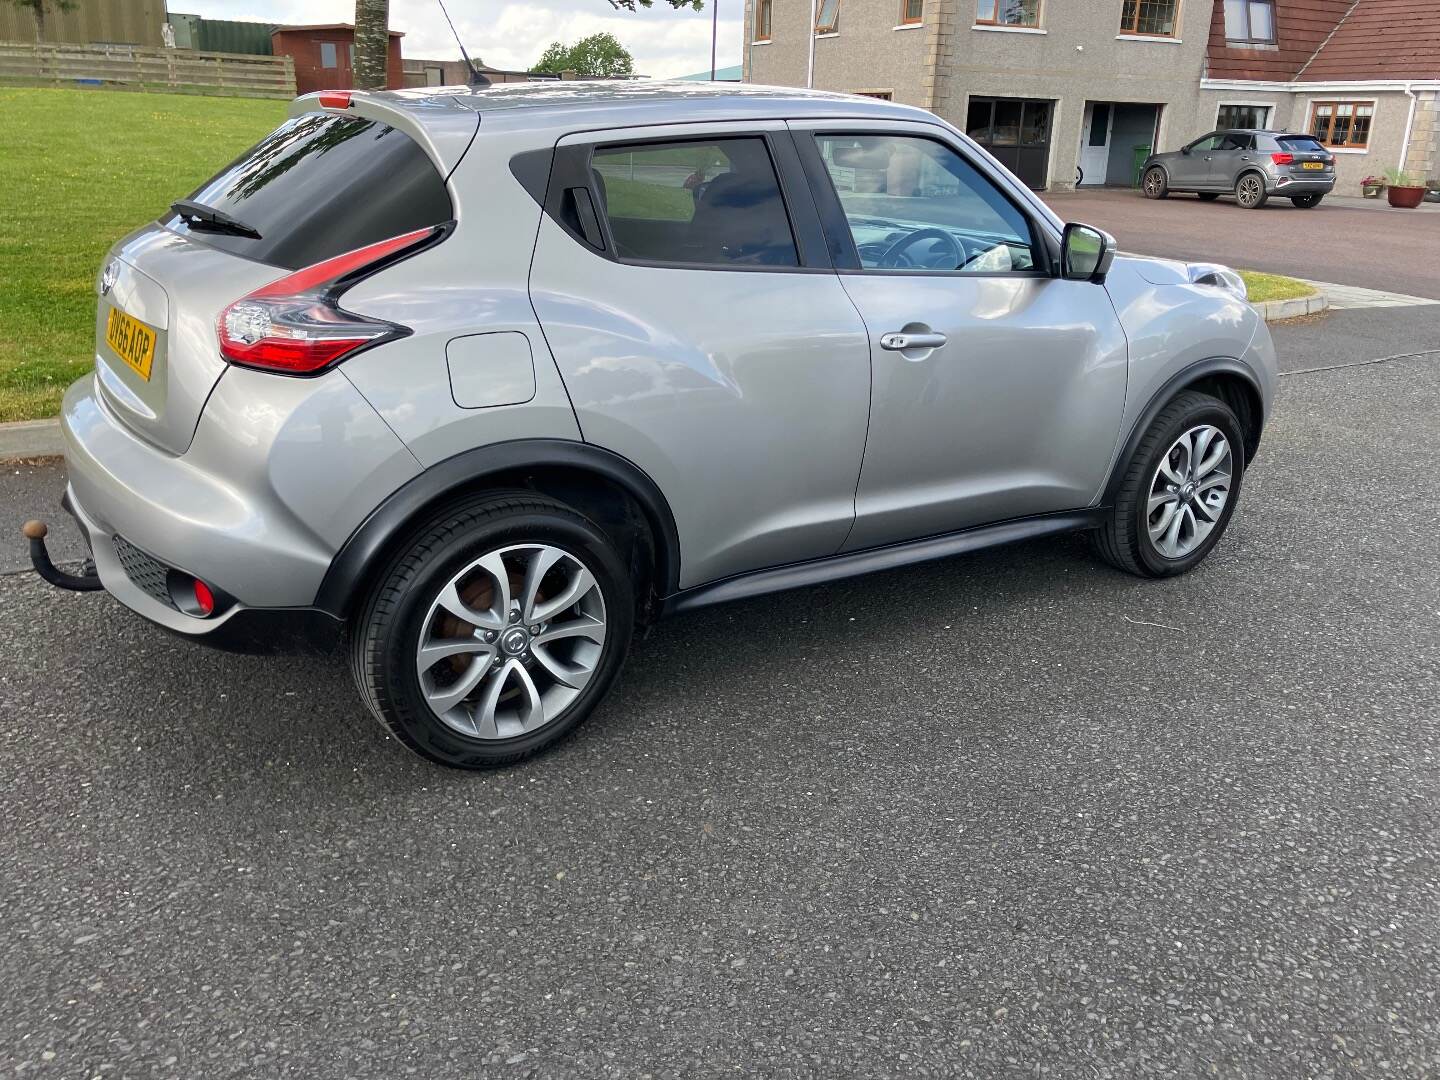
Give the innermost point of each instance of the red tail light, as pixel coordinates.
(295, 326)
(1282, 159)
(204, 598)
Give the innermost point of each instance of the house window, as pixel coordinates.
(1155, 18)
(911, 12)
(327, 54)
(1007, 13)
(1345, 124)
(1250, 22)
(827, 19)
(1243, 116)
(762, 20)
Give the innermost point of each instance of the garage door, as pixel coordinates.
(1015, 130)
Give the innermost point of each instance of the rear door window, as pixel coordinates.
(319, 186)
(710, 202)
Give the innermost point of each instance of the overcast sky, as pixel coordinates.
(512, 35)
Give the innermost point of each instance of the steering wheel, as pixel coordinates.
(895, 256)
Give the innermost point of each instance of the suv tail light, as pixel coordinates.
(1282, 159)
(295, 325)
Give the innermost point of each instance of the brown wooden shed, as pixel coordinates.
(324, 56)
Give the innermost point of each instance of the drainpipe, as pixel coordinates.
(810, 62)
(1409, 126)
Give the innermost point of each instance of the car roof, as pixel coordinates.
(639, 101)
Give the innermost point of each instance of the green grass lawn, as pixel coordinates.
(1274, 287)
(78, 170)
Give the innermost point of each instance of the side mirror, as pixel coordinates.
(1085, 253)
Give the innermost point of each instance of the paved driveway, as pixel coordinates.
(1012, 815)
(1375, 249)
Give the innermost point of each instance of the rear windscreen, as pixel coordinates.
(1302, 144)
(319, 186)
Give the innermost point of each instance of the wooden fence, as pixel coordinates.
(127, 67)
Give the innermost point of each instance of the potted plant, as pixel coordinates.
(1403, 190)
(1372, 186)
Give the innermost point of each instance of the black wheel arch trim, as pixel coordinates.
(1216, 365)
(357, 556)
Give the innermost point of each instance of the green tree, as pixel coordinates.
(37, 8)
(598, 54)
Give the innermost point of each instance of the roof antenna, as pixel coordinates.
(477, 80)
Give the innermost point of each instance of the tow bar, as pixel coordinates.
(85, 581)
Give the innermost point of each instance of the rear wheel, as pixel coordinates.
(1155, 184)
(495, 633)
(1250, 191)
(1208, 196)
(1178, 490)
(1307, 202)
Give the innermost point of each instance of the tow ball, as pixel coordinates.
(85, 581)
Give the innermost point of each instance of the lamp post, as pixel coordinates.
(714, 31)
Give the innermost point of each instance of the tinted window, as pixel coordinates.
(715, 201)
(1299, 144)
(321, 185)
(1237, 142)
(1206, 144)
(893, 188)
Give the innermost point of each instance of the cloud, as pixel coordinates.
(664, 42)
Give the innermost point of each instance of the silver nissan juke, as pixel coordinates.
(480, 381)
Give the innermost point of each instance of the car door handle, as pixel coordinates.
(902, 342)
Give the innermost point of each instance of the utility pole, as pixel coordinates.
(714, 31)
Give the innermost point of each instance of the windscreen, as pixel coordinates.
(318, 186)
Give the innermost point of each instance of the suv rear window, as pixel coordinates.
(1303, 144)
(319, 186)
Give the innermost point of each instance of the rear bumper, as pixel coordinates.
(279, 474)
(1289, 186)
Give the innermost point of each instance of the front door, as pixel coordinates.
(997, 389)
(1095, 142)
(683, 283)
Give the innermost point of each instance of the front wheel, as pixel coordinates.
(495, 632)
(1250, 191)
(1178, 491)
(1307, 202)
(1156, 184)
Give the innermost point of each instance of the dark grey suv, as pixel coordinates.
(1250, 164)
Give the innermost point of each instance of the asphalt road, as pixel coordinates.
(1007, 815)
(1392, 250)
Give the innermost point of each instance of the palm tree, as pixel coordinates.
(372, 44)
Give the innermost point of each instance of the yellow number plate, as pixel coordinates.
(1312, 165)
(132, 340)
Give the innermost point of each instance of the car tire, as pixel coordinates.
(1250, 191)
(529, 683)
(1155, 183)
(1159, 485)
(1307, 202)
(1208, 196)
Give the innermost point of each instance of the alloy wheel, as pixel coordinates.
(1250, 190)
(510, 641)
(1154, 182)
(1189, 490)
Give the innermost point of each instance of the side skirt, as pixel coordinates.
(852, 564)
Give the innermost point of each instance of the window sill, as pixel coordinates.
(762, 41)
(909, 26)
(827, 34)
(1348, 149)
(1149, 37)
(1252, 46)
(1009, 29)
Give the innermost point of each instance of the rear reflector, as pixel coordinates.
(294, 325)
(204, 599)
(1282, 159)
(335, 99)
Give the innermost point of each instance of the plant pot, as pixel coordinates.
(1372, 191)
(1405, 198)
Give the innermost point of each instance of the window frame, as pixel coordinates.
(906, 19)
(1362, 147)
(1135, 31)
(334, 48)
(1036, 25)
(833, 26)
(1250, 38)
(759, 35)
(572, 167)
(1267, 107)
(837, 225)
